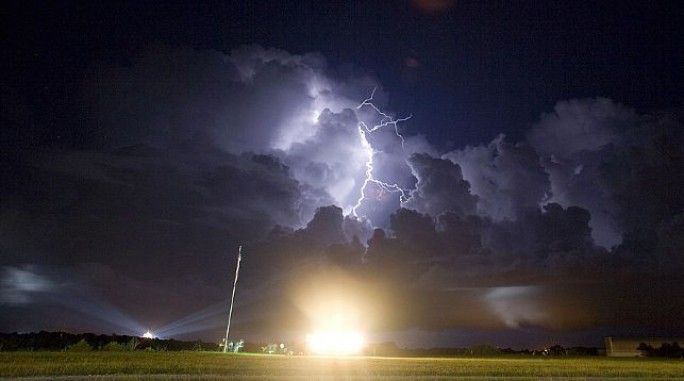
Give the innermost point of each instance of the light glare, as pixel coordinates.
(335, 343)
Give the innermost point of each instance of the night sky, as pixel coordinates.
(447, 172)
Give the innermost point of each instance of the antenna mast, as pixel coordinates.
(232, 299)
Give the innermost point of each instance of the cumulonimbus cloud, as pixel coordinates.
(188, 153)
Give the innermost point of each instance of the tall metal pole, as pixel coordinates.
(232, 299)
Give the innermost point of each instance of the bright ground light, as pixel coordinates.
(334, 311)
(148, 335)
(335, 343)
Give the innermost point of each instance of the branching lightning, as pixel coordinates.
(385, 120)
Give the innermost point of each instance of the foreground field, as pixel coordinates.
(218, 366)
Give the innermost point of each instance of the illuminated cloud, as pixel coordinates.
(573, 142)
(440, 188)
(258, 100)
(19, 285)
(591, 153)
(65, 289)
(507, 178)
(516, 305)
(333, 158)
(189, 154)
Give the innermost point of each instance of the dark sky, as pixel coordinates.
(533, 197)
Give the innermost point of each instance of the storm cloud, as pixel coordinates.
(183, 155)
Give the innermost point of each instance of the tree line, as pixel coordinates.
(60, 341)
(64, 341)
(670, 350)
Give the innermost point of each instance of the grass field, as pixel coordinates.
(218, 366)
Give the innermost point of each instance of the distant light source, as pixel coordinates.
(335, 342)
(148, 335)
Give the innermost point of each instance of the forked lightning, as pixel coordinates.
(385, 120)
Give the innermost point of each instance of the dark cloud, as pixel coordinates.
(541, 270)
(81, 297)
(595, 154)
(96, 198)
(250, 100)
(603, 156)
(171, 95)
(507, 178)
(161, 226)
(433, 276)
(580, 125)
(572, 142)
(184, 155)
(440, 187)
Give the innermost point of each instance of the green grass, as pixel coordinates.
(218, 366)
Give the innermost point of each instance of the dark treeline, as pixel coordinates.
(61, 341)
(58, 341)
(390, 349)
(671, 350)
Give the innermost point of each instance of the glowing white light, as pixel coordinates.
(148, 335)
(335, 342)
(314, 116)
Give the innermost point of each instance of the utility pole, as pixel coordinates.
(232, 299)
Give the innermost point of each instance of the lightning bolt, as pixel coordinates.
(364, 130)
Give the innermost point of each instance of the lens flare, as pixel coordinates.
(336, 329)
(338, 343)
